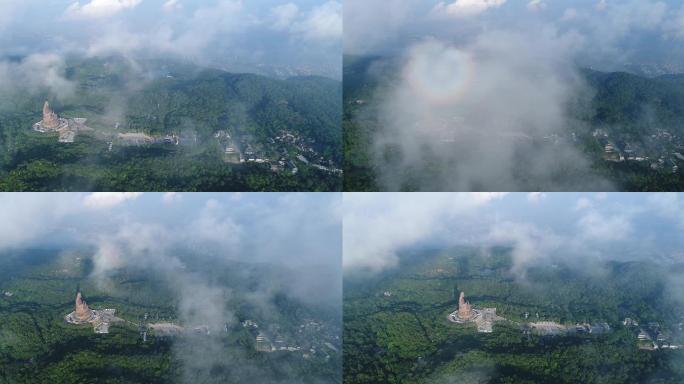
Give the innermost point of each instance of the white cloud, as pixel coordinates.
(283, 16)
(28, 218)
(674, 27)
(377, 226)
(99, 200)
(583, 203)
(172, 5)
(536, 5)
(597, 226)
(7, 13)
(506, 85)
(116, 40)
(100, 8)
(171, 197)
(208, 27)
(668, 205)
(535, 197)
(368, 25)
(466, 8)
(213, 226)
(569, 14)
(601, 5)
(37, 73)
(323, 23)
(530, 243)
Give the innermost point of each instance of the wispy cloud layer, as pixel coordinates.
(219, 33)
(576, 229)
(100, 8)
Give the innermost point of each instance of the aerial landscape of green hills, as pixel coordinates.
(559, 325)
(37, 345)
(164, 126)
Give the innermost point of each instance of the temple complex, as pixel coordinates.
(50, 118)
(483, 318)
(67, 128)
(82, 314)
(465, 310)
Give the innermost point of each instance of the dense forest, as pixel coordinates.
(161, 99)
(396, 328)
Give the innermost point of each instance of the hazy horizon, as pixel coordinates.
(266, 36)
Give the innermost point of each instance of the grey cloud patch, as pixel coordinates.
(378, 226)
(36, 73)
(467, 118)
(286, 234)
(530, 244)
(31, 218)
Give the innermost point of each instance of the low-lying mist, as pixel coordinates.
(214, 255)
(491, 115)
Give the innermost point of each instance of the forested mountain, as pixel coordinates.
(37, 345)
(637, 104)
(207, 110)
(396, 328)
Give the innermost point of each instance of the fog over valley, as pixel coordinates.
(216, 287)
(513, 95)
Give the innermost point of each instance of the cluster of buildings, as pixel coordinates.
(314, 340)
(662, 150)
(304, 153)
(139, 139)
(551, 328)
(164, 330)
(263, 342)
(650, 337)
(280, 147)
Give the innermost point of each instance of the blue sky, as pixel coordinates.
(606, 31)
